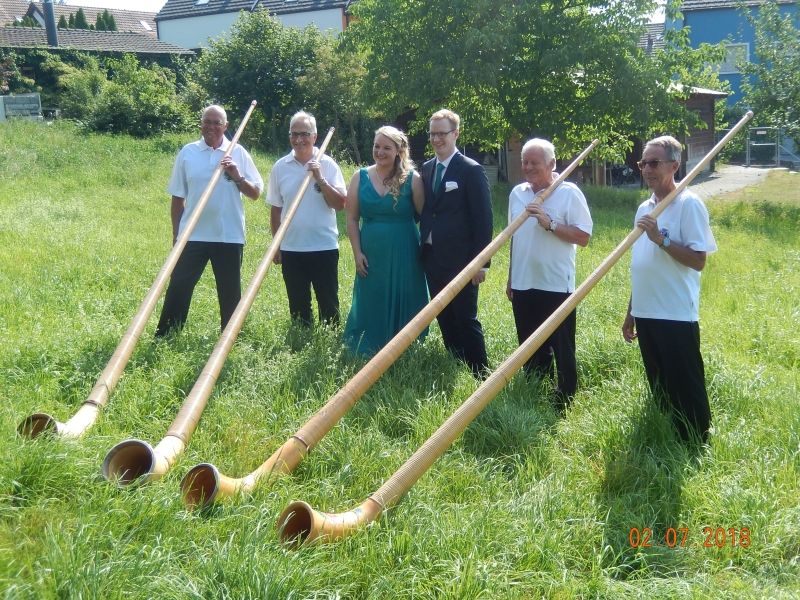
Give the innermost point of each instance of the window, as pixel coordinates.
(146, 25)
(200, 2)
(735, 54)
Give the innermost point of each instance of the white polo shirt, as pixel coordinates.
(222, 220)
(539, 259)
(313, 227)
(661, 287)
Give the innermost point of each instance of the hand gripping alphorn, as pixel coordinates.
(133, 459)
(87, 414)
(204, 484)
(300, 523)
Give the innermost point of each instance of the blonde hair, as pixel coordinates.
(403, 165)
(446, 113)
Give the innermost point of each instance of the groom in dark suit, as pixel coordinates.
(456, 224)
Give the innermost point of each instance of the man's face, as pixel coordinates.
(658, 170)
(537, 171)
(302, 138)
(443, 137)
(213, 126)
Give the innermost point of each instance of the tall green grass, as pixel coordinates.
(526, 504)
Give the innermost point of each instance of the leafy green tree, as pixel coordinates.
(260, 59)
(71, 21)
(772, 88)
(62, 22)
(111, 23)
(568, 70)
(332, 90)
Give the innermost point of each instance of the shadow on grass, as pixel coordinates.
(642, 494)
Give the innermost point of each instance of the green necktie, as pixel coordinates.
(437, 181)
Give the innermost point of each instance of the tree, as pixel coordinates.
(27, 21)
(260, 59)
(105, 21)
(772, 85)
(62, 22)
(332, 91)
(80, 20)
(567, 70)
(71, 21)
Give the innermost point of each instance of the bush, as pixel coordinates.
(131, 98)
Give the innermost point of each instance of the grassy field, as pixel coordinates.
(526, 504)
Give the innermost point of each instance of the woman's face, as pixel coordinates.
(384, 151)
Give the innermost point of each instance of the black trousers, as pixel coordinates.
(462, 332)
(531, 309)
(226, 261)
(676, 374)
(301, 271)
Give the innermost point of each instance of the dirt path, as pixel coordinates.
(727, 178)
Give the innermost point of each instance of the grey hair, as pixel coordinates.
(217, 108)
(302, 115)
(671, 146)
(548, 150)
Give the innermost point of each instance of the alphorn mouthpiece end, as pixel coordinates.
(128, 461)
(38, 424)
(254, 102)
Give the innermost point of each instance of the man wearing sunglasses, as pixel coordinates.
(218, 236)
(663, 311)
(309, 254)
(455, 225)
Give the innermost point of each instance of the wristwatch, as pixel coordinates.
(553, 226)
(664, 239)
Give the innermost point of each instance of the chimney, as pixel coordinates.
(50, 23)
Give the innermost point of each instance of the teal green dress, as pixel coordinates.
(394, 290)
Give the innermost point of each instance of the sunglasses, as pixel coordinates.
(651, 163)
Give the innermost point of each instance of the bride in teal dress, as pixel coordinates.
(389, 288)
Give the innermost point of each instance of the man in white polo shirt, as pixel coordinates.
(541, 273)
(663, 311)
(219, 234)
(309, 254)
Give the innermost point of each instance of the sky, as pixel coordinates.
(145, 5)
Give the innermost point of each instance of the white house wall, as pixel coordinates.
(194, 32)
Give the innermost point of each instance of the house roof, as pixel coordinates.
(183, 9)
(690, 5)
(10, 10)
(127, 20)
(653, 38)
(86, 39)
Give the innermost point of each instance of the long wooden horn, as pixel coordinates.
(87, 414)
(133, 459)
(300, 523)
(204, 484)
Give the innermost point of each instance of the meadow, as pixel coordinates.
(526, 504)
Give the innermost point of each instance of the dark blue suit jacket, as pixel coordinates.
(459, 220)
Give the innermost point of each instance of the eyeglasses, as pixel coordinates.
(651, 163)
(439, 134)
(300, 134)
(217, 122)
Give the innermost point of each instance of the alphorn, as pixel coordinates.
(134, 459)
(299, 523)
(204, 484)
(87, 414)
